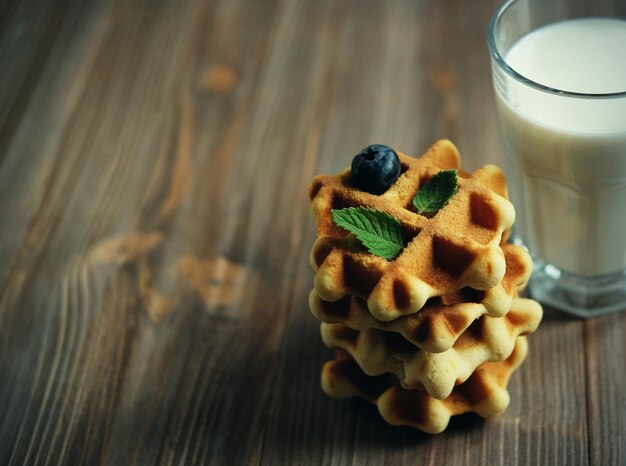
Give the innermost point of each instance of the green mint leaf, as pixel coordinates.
(437, 192)
(379, 232)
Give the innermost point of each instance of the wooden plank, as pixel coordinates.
(605, 347)
(29, 157)
(135, 187)
(325, 431)
(361, 51)
(27, 33)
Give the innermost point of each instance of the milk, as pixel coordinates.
(565, 157)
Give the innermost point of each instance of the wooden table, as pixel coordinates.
(154, 235)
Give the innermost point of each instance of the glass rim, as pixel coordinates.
(499, 59)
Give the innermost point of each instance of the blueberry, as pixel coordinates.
(375, 169)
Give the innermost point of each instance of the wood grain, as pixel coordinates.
(154, 234)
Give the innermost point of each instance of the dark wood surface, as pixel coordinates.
(154, 234)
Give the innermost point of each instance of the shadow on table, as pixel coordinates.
(304, 421)
(551, 314)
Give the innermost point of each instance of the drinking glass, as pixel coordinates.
(565, 162)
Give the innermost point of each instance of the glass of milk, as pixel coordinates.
(559, 72)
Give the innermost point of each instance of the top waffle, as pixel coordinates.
(457, 247)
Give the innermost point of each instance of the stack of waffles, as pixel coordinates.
(439, 330)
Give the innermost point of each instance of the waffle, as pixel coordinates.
(487, 339)
(484, 392)
(457, 247)
(442, 320)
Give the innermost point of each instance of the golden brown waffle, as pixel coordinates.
(442, 320)
(487, 339)
(484, 392)
(458, 247)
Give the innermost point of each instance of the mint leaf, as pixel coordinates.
(437, 192)
(379, 232)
